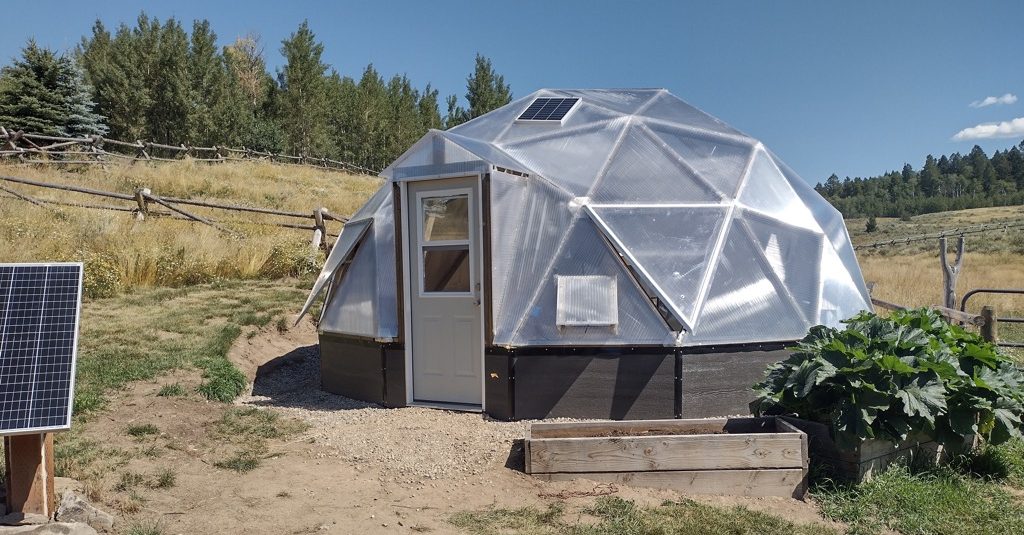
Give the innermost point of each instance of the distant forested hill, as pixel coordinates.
(953, 182)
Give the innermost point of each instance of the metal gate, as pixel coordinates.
(1018, 291)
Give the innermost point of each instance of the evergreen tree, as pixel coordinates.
(430, 115)
(79, 107)
(168, 115)
(207, 87)
(303, 101)
(456, 114)
(30, 99)
(486, 90)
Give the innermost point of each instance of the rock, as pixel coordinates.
(74, 508)
(55, 528)
(23, 519)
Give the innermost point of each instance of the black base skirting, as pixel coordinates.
(362, 369)
(625, 383)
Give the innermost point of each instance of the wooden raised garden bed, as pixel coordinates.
(871, 457)
(739, 456)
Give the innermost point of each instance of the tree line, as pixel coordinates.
(954, 182)
(158, 82)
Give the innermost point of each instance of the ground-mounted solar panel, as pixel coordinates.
(548, 109)
(39, 312)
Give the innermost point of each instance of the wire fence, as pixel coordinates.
(38, 149)
(140, 204)
(963, 231)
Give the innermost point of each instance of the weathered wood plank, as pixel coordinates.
(788, 482)
(635, 427)
(677, 452)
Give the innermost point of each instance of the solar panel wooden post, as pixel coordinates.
(29, 462)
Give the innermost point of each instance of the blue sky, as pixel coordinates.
(855, 88)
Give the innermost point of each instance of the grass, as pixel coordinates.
(140, 336)
(129, 480)
(617, 516)
(244, 460)
(250, 428)
(144, 527)
(142, 430)
(164, 479)
(122, 254)
(939, 501)
(171, 390)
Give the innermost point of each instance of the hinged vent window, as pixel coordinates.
(549, 109)
(587, 300)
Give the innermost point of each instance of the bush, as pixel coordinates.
(871, 225)
(887, 378)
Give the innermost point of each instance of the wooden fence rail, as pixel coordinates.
(92, 150)
(142, 198)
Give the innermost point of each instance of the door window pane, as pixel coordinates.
(446, 218)
(446, 269)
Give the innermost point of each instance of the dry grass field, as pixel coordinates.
(121, 253)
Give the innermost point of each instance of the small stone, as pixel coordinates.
(74, 508)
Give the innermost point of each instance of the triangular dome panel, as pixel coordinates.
(744, 302)
(585, 252)
(794, 254)
(624, 101)
(642, 171)
(667, 108)
(766, 190)
(719, 161)
(568, 160)
(672, 247)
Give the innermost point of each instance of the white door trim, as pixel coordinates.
(407, 289)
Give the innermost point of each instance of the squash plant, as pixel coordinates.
(891, 377)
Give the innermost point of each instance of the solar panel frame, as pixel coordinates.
(49, 408)
(548, 110)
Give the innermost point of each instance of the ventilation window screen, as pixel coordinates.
(586, 300)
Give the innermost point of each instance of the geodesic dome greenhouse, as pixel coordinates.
(607, 224)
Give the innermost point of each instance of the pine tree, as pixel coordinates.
(29, 96)
(167, 117)
(456, 114)
(430, 115)
(207, 85)
(486, 90)
(303, 101)
(82, 119)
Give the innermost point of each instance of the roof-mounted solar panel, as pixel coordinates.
(549, 109)
(39, 311)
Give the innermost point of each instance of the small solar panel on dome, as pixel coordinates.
(548, 109)
(39, 311)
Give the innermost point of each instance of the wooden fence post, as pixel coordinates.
(140, 198)
(950, 272)
(990, 330)
(29, 463)
(320, 229)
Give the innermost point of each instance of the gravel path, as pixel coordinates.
(409, 445)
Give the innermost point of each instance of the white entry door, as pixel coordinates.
(445, 269)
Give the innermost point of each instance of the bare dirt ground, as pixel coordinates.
(357, 468)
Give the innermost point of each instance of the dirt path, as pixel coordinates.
(357, 468)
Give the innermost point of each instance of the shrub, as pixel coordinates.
(871, 225)
(889, 377)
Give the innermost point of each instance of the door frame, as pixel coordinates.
(408, 287)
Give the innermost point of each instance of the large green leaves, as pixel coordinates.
(890, 377)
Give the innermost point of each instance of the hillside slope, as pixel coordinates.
(122, 253)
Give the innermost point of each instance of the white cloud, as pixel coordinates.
(1008, 98)
(1011, 128)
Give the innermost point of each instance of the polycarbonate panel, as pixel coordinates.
(536, 222)
(668, 108)
(831, 222)
(840, 295)
(351, 308)
(766, 190)
(491, 153)
(671, 246)
(585, 252)
(743, 303)
(586, 300)
(717, 159)
(508, 197)
(572, 162)
(641, 171)
(794, 254)
(624, 101)
(488, 127)
(340, 252)
(387, 280)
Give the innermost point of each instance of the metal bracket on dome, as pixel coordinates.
(676, 320)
